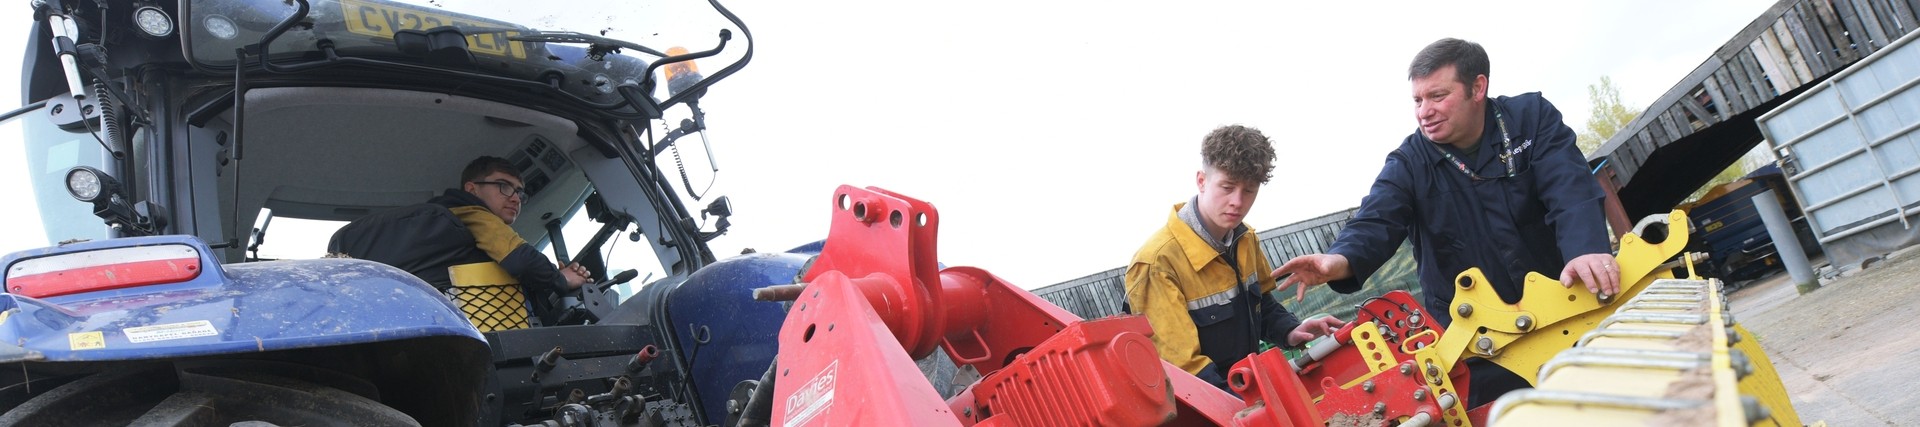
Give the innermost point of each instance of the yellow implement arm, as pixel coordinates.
(1550, 317)
(1662, 351)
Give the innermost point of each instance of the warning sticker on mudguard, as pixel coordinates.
(86, 341)
(170, 331)
(813, 398)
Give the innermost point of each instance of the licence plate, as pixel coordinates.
(382, 20)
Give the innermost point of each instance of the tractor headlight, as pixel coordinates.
(89, 184)
(221, 27)
(153, 21)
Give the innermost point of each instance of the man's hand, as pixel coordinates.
(1311, 269)
(576, 275)
(1313, 328)
(1598, 271)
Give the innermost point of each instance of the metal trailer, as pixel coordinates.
(1850, 155)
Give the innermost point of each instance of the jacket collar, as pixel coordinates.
(1195, 246)
(455, 197)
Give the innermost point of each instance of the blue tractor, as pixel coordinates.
(160, 141)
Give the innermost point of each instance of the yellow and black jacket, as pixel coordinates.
(451, 229)
(1208, 309)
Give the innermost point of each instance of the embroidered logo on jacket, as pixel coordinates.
(1516, 150)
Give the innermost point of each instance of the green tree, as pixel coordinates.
(1609, 115)
(1733, 172)
(1754, 159)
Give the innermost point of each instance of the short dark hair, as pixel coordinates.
(487, 165)
(1468, 59)
(1243, 153)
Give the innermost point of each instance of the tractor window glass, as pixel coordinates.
(620, 251)
(35, 156)
(280, 237)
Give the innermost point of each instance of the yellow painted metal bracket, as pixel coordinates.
(1373, 349)
(1380, 358)
(1549, 317)
(1435, 373)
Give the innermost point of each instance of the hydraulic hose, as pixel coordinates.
(759, 409)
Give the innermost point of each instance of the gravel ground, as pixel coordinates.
(1838, 348)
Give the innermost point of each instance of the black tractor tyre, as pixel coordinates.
(210, 393)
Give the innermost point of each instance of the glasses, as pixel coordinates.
(507, 188)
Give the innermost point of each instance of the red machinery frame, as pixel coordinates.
(875, 300)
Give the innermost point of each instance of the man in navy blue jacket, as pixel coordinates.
(1494, 183)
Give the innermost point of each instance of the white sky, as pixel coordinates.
(1053, 136)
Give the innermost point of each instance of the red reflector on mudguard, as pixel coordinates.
(103, 269)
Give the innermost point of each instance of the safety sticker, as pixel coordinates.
(86, 341)
(171, 331)
(813, 398)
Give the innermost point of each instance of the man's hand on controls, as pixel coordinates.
(576, 275)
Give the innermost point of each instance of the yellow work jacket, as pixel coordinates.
(1183, 285)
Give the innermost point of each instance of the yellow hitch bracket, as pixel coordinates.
(1549, 318)
(1374, 349)
(1434, 372)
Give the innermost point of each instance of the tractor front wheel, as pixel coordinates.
(210, 393)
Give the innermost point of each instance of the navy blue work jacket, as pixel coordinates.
(1545, 215)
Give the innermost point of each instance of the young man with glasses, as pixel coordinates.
(1494, 183)
(462, 226)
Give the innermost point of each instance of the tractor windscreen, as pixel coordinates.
(589, 48)
(34, 173)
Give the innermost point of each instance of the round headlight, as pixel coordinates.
(84, 183)
(221, 27)
(153, 21)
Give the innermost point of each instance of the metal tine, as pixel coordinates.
(1643, 305)
(1638, 352)
(1627, 333)
(1612, 361)
(1569, 398)
(1654, 318)
(1669, 298)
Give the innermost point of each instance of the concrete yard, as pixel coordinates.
(1840, 349)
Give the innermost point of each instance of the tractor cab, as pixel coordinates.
(244, 133)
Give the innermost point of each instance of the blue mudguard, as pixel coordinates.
(725, 335)
(226, 309)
